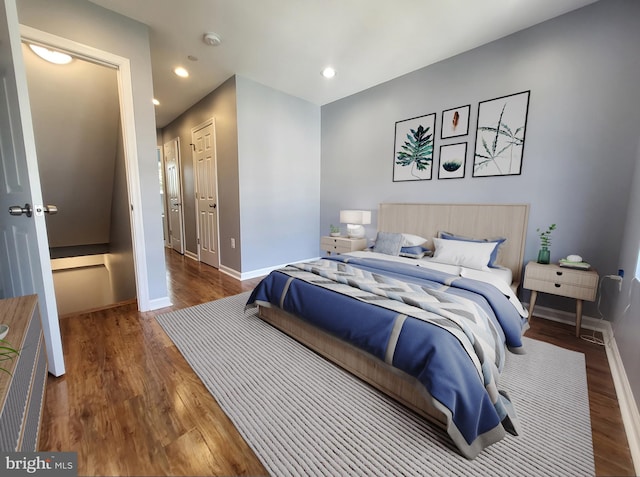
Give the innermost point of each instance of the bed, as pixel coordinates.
(431, 332)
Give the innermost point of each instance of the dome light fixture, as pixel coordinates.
(328, 72)
(52, 56)
(180, 71)
(212, 39)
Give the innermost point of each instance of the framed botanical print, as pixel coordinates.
(413, 148)
(455, 122)
(502, 124)
(453, 158)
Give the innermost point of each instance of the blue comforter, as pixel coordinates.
(448, 332)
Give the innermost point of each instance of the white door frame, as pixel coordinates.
(180, 193)
(163, 178)
(125, 95)
(208, 122)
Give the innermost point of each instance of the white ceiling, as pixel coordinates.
(285, 44)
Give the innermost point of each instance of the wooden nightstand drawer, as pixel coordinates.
(342, 244)
(562, 281)
(557, 274)
(560, 288)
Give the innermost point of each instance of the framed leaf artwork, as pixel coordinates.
(413, 148)
(455, 122)
(502, 124)
(452, 161)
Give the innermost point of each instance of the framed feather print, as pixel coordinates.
(502, 124)
(455, 122)
(413, 148)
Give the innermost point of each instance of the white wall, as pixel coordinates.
(279, 176)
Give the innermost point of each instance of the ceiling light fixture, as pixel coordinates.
(212, 39)
(328, 72)
(156, 102)
(52, 56)
(180, 71)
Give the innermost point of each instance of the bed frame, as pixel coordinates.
(425, 220)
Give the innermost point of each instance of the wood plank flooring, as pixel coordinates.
(129, 403)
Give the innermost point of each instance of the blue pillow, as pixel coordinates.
(494, 255)
(414, 252)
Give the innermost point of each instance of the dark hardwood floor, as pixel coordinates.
(129, 404)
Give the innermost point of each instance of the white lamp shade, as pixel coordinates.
(360, 217)
(354, 220)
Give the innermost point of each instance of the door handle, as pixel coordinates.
(47, 209)
(213, 205)
(17, 210)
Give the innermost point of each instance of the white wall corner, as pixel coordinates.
(626, 400)
(158, 303)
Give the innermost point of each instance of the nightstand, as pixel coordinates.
(342, 244)
(579, 284)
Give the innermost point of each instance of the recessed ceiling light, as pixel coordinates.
(51, 56)
(180, 71)
(156, 102)
(328, 72)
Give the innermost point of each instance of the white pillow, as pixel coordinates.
(410, 240)
(465, 254)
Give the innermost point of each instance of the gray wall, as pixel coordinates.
(76, 118)
(279, 151)
(580, 155)
(582, 69)
(268, 151)
(120, 260)
(85, 22)
(221, 105)
(626, 324)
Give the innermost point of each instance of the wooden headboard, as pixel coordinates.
(471, 220)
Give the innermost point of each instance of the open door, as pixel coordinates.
(24, 249)
(174, 194)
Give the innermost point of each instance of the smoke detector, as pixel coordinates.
(212, 39)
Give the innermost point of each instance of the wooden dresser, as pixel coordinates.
(22, 392)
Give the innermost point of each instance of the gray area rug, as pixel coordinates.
(304, 416)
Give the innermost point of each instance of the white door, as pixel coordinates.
(24, 249)
(206, 178)
(174, 194)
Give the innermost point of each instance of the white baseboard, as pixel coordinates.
(231, 272)
(191, 255)
(260, 272)
(626, 401)
(159, 303)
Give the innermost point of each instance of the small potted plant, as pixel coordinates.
(7, 353)
(334, 231)
(544, 254)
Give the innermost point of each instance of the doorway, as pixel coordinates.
(206, 186)
(76, 118)
(175, 220)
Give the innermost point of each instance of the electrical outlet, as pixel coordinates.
(233, 243)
